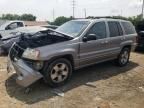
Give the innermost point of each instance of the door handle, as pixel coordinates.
(123, 38)
(104, 42)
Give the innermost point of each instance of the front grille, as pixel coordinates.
(16, 52)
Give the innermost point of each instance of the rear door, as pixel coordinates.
(115, 37)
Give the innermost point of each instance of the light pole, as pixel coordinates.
(85, 12)
(142, 9)
(53, 12)
(73, 8)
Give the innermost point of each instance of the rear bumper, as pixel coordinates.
(25, 75)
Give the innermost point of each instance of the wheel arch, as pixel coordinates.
(127, 46)
(66, 56)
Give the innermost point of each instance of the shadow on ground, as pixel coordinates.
(41, 91)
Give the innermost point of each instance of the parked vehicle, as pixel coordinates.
(140, 41)
(54, 54)
(7, 41)
(6, 27)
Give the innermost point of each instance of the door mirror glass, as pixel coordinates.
(89, 37)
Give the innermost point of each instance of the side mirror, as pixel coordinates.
(89, 37)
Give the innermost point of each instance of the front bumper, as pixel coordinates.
(25, 74)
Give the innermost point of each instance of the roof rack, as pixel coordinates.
(110, 17)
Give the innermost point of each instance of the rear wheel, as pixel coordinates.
(58, 72)
(123, 57)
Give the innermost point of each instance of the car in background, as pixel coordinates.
(140, 41)
(6, 27)
(7, 41)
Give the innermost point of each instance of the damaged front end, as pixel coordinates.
(23, 53)
(26, 74)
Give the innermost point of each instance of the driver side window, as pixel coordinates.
(99, 29)
(12, 26)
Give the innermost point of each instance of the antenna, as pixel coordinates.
(73, 7)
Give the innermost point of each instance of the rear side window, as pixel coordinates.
(128, 27)
(99, 29)
(114, 29)
(120, 29)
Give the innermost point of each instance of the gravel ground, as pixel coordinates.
(99, 86)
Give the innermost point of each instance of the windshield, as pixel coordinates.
(73, 28)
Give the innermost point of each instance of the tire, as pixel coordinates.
(58, 72)
(123, 58)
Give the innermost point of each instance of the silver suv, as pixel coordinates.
(54, 54)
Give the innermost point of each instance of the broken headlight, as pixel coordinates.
(36, 65)
(31, 54)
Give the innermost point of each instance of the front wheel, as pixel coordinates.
(123, 57)
(58, 72)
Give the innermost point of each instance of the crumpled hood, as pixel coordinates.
(42, 38)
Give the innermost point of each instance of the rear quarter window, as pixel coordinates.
(128, 28)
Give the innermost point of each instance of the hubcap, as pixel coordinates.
(124, 57)
(59, 72)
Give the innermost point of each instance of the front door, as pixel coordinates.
(93, 51)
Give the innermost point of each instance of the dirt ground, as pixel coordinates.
(99, 86)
